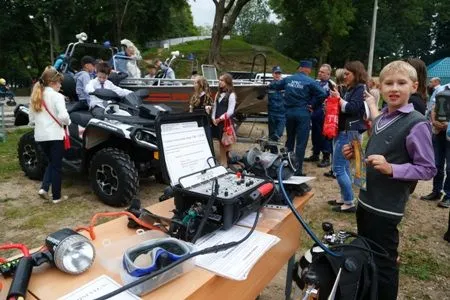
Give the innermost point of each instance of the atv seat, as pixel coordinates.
(68, 87)
(81, 117)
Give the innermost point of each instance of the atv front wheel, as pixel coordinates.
(114, 177)
(31, 158)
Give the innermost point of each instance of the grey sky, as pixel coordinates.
(202, 11)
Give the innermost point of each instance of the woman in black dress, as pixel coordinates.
(224, 104)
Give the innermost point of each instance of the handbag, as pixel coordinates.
(229, 134)
(66, 132)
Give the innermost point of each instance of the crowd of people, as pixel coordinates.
(401, 149)
(405, 141)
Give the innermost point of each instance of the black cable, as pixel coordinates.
(213, 249)
(212, 199)
(315, 238)
(383, 254)
(299, 218)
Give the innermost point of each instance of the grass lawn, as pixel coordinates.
(9, 163)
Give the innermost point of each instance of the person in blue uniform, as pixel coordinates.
(276, 110)
(301, 94)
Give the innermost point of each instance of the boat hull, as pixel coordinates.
(251, 98)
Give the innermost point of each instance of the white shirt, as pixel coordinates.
(95, 84)
(46, 129)
(231, 105)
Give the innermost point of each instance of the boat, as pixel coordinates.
(250, 93)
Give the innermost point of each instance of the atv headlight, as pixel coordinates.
(145, 138)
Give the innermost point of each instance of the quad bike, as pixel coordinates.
(114, 152)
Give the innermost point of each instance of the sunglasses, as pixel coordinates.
(153, 255)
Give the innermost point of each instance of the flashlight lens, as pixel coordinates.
(74, 255)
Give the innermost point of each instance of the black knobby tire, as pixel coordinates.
(114, 177)
(31, 158)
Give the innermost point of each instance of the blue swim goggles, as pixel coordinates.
(153, 255)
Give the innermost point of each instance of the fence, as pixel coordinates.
(172, 42)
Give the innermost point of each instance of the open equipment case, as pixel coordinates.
(201, 187)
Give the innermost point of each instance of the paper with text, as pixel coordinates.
(98, 287)
(186, 149)
(234, 263)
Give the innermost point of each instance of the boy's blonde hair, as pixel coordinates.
(399, 66)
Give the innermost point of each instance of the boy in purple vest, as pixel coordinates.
(399, 152)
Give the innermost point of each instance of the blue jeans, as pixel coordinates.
(341, 167)
(442, 159)
(297, 130)
(54, 150)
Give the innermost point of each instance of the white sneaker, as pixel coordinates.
(43, 194)
(60, 199)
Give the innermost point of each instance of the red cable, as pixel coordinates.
(90, 229)
(21, 247)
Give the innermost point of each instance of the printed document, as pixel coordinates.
(234, 263)
(98, 287)
(186, 149)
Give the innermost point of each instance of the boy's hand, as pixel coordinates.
(379, 163)
(347, 151)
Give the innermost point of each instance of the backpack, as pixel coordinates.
(358, 279)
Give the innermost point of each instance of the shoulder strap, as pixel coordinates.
(51, 115)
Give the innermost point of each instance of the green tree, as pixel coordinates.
(310, 27)
(263, 33)
(254, 12)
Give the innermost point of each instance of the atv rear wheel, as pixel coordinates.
(114, 177)
(31, 158)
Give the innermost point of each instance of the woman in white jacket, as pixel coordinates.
(48, 133)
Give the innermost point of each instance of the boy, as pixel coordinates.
(399, 152)
(82, 78)
(101, 82)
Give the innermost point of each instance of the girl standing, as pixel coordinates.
(46, 104)
(224, 104)
(201, 100)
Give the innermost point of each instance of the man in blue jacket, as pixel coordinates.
(301, 94)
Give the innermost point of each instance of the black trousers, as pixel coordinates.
(54, 150)
(383, 231)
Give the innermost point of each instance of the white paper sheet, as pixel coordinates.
(297, 179)
(98, 287)
(186, 149)
(249, 220)
(234, 263)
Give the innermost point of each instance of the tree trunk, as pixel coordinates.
(214, 50)
(224, 19)
(216, 35)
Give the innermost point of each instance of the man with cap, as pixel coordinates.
(82, 78)
(277, 118)
(301, 94)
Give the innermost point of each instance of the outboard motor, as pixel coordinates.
(267, 164)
